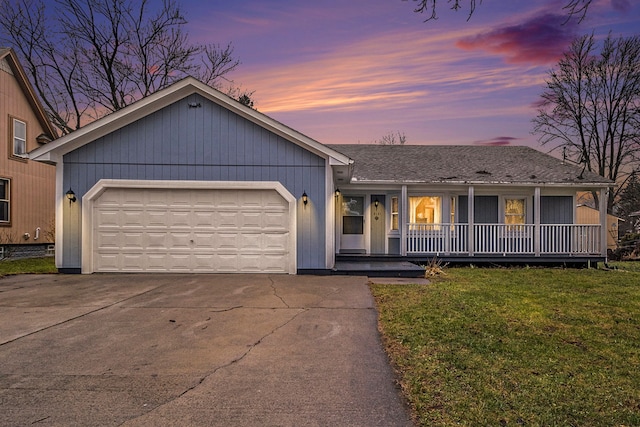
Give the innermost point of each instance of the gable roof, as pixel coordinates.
(462, 164)
(8, 55)
(54, 151)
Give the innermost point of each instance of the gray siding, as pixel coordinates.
(485, 209)
(203, 144)
(556, 210)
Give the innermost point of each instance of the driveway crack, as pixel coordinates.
(275, 292)
(228, 364)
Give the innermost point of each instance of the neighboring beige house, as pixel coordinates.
(27, 188)
(588, 215)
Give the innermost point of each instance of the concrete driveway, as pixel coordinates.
(173, 350)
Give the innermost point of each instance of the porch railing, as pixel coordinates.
(503, 239)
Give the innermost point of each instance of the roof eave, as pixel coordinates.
(23, 81)
(167, 96)
(355, 180)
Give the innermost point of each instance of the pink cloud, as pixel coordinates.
(539, 40)
(499, 140)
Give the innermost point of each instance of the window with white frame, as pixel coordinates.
(394, 213)
(514, 211)
(5, 208)
(19, 137)
(425, 209)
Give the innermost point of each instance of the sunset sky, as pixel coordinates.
(352, 71)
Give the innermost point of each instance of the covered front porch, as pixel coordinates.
(465, 204)
(532, 225)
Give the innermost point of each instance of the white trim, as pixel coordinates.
(537, 219)
(329, 217)
(59, 213)
(604, 201)
(471, 206)
(404, 219)
(101, 186)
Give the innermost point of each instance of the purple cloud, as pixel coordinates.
(499, 140)
(540, 40)
(621, 5)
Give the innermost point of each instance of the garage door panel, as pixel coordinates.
(204, 219)
(109, 240)
(108, 217)
(275, 221)
(156, 262)
(109, 262)
(275, 242)
(171, 230)
(156, 218)
(177, 240)
(132, 262)
(133, 240)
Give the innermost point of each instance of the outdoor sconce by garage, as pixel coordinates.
(305, 198)
(71, 196)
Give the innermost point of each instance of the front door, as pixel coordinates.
(378, 227)
(352, 213)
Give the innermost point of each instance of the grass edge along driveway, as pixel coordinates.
(517, 346)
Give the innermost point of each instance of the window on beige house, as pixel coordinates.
(5, 208)
(19, 137)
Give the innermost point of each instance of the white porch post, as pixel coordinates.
(471, 214)
(536, 221)
(404, 220)
(604, 198)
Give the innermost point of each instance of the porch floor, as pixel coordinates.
(375, 267)
(410, 266)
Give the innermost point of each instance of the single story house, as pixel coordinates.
(189, 180)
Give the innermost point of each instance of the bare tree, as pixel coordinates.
(591, 107)
(101, 55)
(397, 138)
(576, 8)
(628, 205)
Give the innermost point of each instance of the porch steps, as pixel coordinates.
(376, 266)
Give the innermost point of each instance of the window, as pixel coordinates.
(425, 210)
(352, 215)
(394, 213)
(4, 200)
(514, 212)
(19, 138)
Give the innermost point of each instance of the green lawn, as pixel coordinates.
(532, 347)
(27, 265)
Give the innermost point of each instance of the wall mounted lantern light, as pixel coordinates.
(337, 192)
(71, 196)
(376, 203)
(305, 198)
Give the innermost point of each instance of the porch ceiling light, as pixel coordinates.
(71, 196)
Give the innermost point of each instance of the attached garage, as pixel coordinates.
(188, 179)
(189, 226)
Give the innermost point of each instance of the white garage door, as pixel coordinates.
(191, 230)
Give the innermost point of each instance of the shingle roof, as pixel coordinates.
(462, 164)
